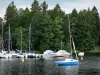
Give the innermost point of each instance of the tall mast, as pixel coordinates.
(61, 43)
(29, 37)
(70, 36)
(9, 40)
(74, 48)
(2, 37)
(21, 39)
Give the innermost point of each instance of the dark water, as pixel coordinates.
(89, 66)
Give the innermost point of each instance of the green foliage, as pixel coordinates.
(35, 7)
(58, 33)
(24, 18)
(17, 36)
(56, 12)
(84, 40)
(44, 7)
(96, 23)
(11, 16)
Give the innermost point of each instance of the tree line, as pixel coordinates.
(50, 28)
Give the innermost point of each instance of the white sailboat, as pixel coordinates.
(8, 54)
(30, 55)
(21, 55)
(69, 61)
(11, 53)
(2, 52)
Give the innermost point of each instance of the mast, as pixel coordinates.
(21, 39)
(29, 37)
(70, 36)
(2, 38)
(9, 40)
(61, 43)
(74, 48)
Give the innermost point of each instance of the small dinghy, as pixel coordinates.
(67, 62)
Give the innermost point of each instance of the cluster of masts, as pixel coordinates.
(20, 54)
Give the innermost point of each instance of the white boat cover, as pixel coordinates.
(49, 54)
(63, 53)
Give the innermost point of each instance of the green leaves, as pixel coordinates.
(17, 36)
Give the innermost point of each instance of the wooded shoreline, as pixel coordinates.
(50, 27)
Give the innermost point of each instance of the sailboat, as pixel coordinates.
(8, 54)
(69, 61)
(2, 52)
(21, 55)
(30, 55)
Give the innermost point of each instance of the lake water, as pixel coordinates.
(89, 66)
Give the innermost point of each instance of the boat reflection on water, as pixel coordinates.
(71, 70)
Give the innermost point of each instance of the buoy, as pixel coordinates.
(22, 60)
(81, 58)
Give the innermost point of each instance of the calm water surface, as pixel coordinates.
(89, 66)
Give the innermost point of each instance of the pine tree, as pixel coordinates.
(56, 12)
(35, 7)
(11, 18)
(96, 20)
(44, 7)
(11, 15)
(24, 18)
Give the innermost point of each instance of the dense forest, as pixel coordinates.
(50, 28)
